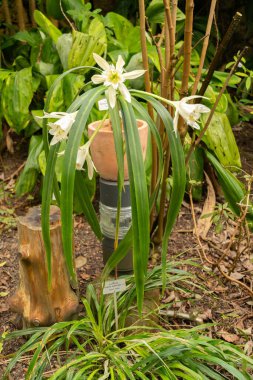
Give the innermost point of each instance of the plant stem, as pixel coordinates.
(182, 127)
(6, 12)
(219, 53)
(20, 14)
(148, 89)
(204, 48)
(196, 142)
(32, 7)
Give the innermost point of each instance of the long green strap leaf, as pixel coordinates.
(118, 142)
(178, 171)
(124, 247)
(139, 199)
(145, 116)
(45, 207)
(86, 204)
(68, 176)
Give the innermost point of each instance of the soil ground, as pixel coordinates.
(214, 299)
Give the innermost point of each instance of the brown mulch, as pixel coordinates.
(213, 298)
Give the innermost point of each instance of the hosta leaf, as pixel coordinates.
(220, 139)
(17, 94)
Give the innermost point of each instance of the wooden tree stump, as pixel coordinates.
(33, 300)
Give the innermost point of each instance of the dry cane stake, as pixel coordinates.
(170, 22)
(148, 89)
(20, 14)
(182, 128)
(6, 12)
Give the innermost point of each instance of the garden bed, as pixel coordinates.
(212, 299)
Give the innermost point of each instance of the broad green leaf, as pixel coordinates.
(63, 46)
(32, 38)
(84, 45)
(219, 78)
(155, 12)
(234, 190)
(220, 139)
(47, 26)
(28, 177)
(4, 75)
(135, 63)
(121, 27)
(64, 92)
(17, 94)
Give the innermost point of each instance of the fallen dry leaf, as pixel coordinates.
(80, 261)
(236, 275)
(230, 338)
(85, 276)
(248, 347)
(204, 223)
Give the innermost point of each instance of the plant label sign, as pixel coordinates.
(114, 286)
(103, 105)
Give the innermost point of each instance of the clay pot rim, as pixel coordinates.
(141, 124)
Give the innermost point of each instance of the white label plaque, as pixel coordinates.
(103, 105)
(114, 286)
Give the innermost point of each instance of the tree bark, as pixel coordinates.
(38, 305)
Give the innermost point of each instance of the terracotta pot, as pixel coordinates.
(103, 149)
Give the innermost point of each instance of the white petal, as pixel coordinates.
(202, 109)
(133, 74)
(65, 123)
(97, 79)
(175, 121)
(90, 166)
(193, 124)
(187, 98)
(124, 91)
(120, 63)
(52, 115)
(81, 157)
(112, 96)
(101, 62)
(55, 140)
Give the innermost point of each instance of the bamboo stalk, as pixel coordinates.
(20, 14)
(219, 53)
(32, 7)
(148, 89)
(6, 12)
(204, 47)
(182, 128)
(196, 142)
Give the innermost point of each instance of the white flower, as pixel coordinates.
(82, 156)
(113, 77)
(189, 112)
(60, 128)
